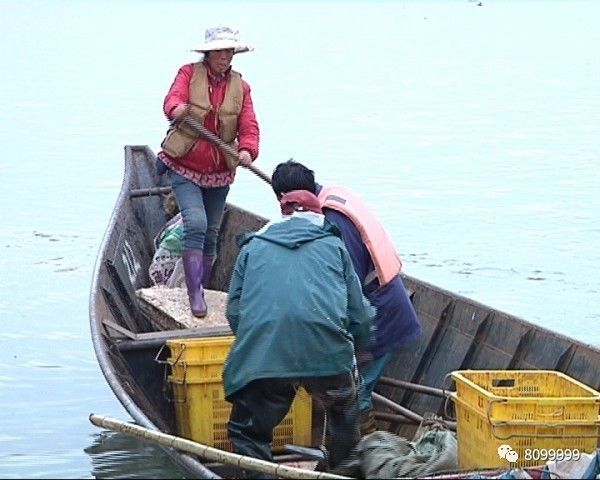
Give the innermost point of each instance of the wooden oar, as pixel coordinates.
(209, 453)
(192, 122)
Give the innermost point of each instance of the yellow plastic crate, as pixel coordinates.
(199, 359)
(201, 410)
(529, 411)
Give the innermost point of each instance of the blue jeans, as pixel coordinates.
(201, 210)
(369, 374)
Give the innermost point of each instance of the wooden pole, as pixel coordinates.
(392, 417)
(397, 408)
(437, 392)
(223, 146)
(206, 452)
(405, 412)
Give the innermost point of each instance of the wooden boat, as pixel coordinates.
(458, 333)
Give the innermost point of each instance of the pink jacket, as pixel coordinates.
(205, 159)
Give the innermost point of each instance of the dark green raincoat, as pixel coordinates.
(295, 305)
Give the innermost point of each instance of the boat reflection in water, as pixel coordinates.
(116, 455)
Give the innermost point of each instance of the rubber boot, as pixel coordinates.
(323, 463)
(207, 265)
(193, 269)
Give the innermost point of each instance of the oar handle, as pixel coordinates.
(210, 136)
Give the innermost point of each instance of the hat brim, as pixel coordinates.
(223, 45)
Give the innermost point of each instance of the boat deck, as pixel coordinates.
(168, 308)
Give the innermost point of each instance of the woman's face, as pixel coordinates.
(219, 60)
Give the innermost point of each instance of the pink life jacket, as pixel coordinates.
(385, 258)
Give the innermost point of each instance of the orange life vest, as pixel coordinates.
(386, 260)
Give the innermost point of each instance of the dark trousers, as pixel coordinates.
(262, 404)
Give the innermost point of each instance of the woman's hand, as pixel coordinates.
(245, 158)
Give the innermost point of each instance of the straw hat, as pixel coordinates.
(222, 37)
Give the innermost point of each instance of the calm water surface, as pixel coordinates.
(474, 132)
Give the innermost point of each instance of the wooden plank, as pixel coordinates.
(430, 307)
(449, 351)
(540, 349)
(186, 332)
(497, 344)
(122, 332)
(152, 340)
(585, 366)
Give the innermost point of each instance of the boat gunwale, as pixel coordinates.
(449, 301)
(185, 461)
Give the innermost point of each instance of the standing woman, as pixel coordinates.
(216, 96)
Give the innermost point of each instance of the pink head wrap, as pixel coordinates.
(299, 200)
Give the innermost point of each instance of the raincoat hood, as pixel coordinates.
(295, 304)
(291, 232)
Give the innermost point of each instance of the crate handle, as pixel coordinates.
(165, 383)
(450, 396)
(503, 382)
(490, 405)
(183, 382)
(173, 399)
(557, 413)
(494, 425)
(157, 357)
(167, 362)
(536, 424)
(166, 387)
(447, 399)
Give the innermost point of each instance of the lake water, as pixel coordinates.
(473, 131)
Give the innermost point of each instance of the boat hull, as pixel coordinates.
(458, 333)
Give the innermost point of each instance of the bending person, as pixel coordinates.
(378, 267)
(297, 311)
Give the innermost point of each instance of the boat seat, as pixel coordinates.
(158, 339)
